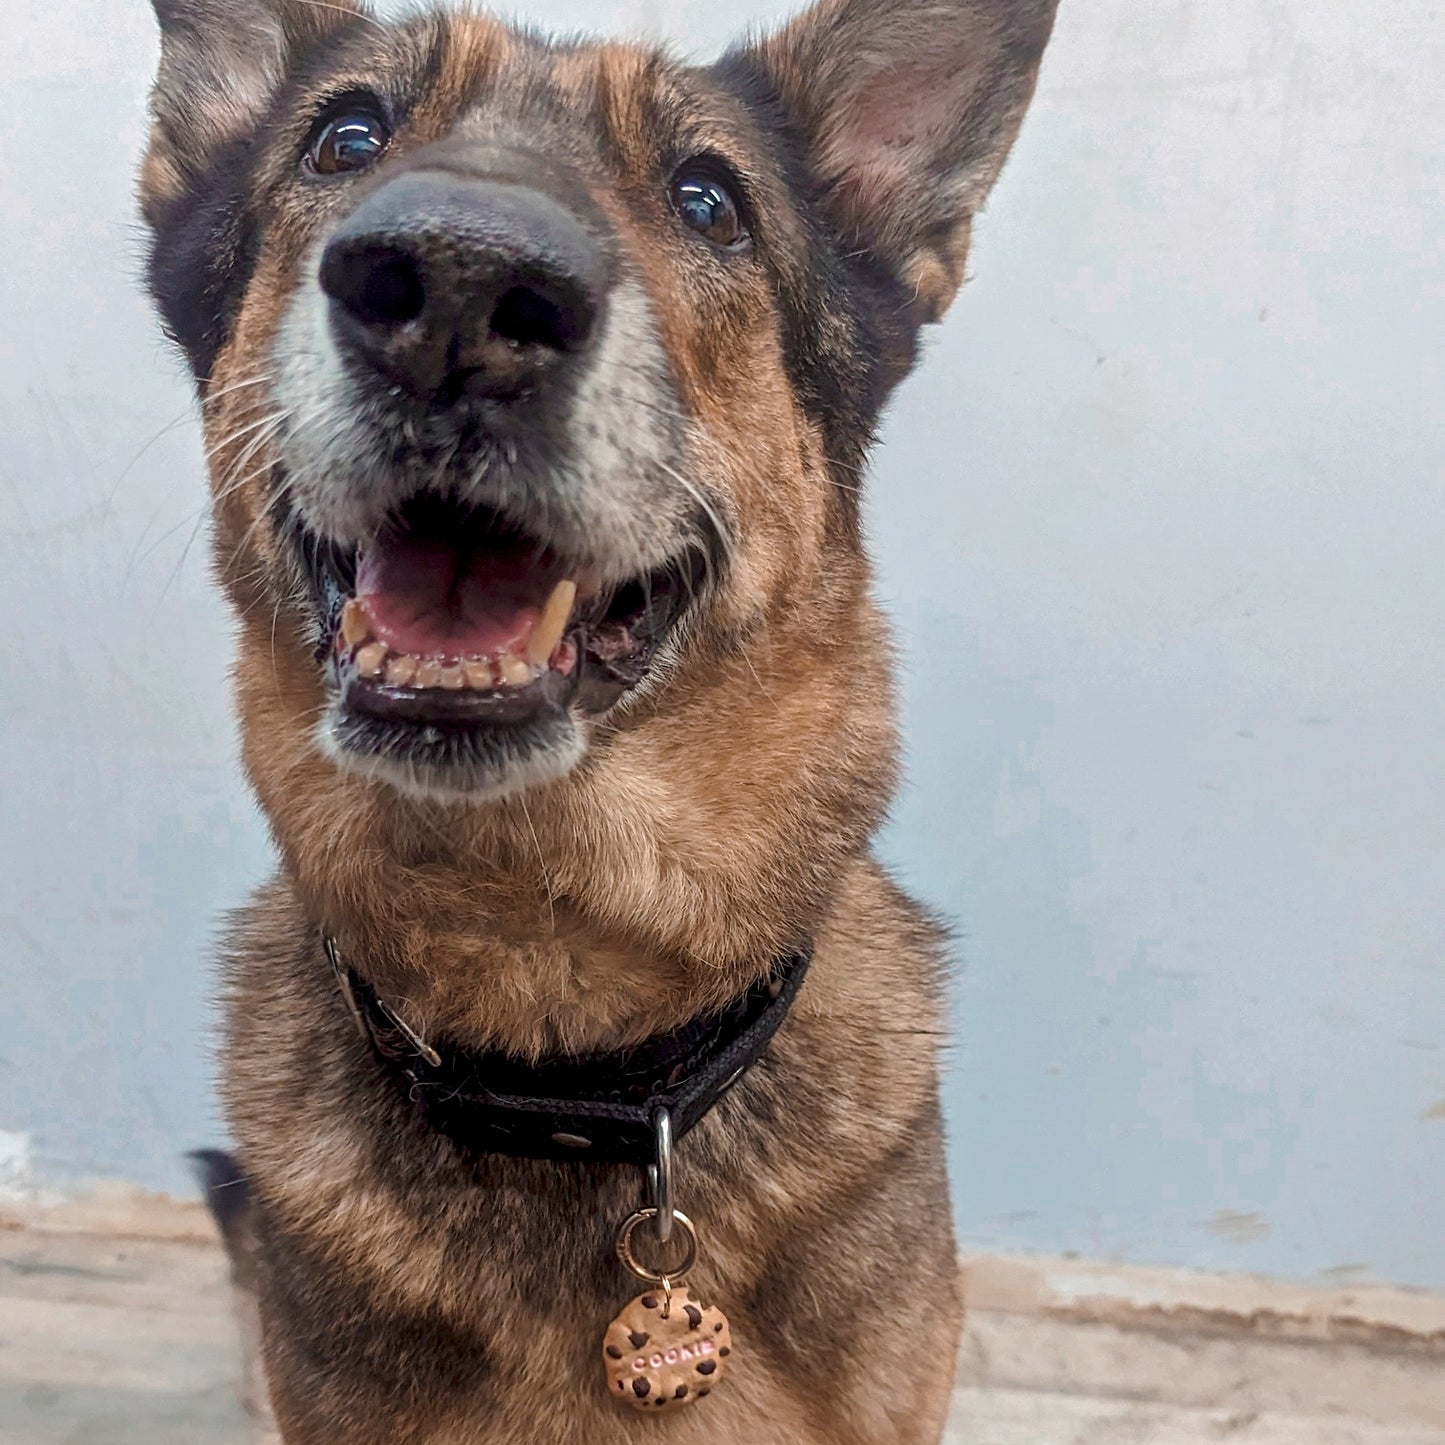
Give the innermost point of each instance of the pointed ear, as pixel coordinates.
(222, 61)
(908, 109)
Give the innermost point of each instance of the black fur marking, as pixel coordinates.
(842, 380)
(203, 256)
(226, 1188)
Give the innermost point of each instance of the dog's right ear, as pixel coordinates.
(222, 61)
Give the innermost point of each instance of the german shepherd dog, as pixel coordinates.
(538, 381)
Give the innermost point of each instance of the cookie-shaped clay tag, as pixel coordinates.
(662, 1358)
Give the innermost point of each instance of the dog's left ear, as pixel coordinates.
(909, 109)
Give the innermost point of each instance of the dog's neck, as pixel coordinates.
(657, 883)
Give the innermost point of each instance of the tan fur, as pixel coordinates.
(720, 817)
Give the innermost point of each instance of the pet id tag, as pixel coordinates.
(666, 1349)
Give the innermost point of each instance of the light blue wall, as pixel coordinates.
(1161, 524)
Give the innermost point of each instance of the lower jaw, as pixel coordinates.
(456, 762)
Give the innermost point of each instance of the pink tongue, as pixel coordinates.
(427, 599)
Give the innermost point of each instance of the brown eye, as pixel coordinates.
(349, 140)
(708, 206)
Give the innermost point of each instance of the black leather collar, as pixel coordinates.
(597, 1107)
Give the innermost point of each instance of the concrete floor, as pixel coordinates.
(117, 1339)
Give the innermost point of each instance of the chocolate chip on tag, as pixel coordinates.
(681, 1349)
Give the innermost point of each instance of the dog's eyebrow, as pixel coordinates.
(410, 63)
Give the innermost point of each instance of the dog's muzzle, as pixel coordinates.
(483, 465)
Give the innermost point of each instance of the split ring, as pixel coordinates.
(675, 1273)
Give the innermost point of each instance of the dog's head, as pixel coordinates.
(537, 378)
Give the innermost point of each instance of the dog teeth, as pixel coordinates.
(401, 671)
(355, 624)
(547, 647)
(512, 671)
(479, 673)
(371, 660)
(552, 624)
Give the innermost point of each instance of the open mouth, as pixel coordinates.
(454, 618)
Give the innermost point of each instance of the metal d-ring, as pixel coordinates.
(353, 1007)
(343, 982)
(659, 1178)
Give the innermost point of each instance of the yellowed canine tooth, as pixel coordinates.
(401, 671)
(513, 671)
(371, 659)
(453, 678)
(552, 623)
(429, 674)
(479, 674)
(355, 624)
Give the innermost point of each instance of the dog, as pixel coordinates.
(538, 381)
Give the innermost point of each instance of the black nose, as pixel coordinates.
(455, 287)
